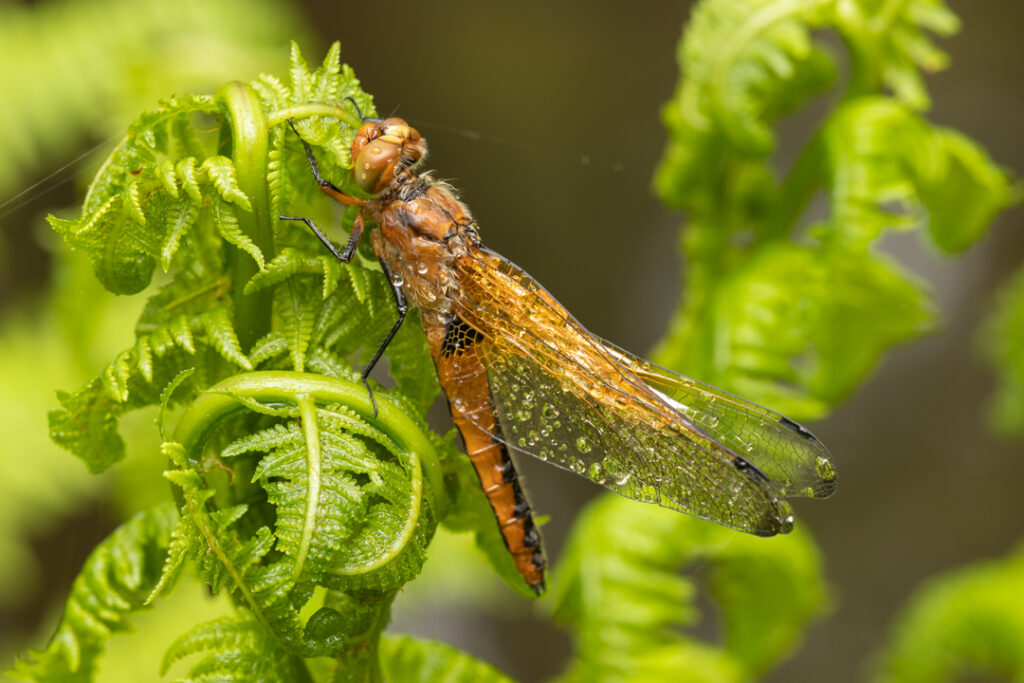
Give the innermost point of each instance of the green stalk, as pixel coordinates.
(248, 150)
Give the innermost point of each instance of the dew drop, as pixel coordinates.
(397, 280)
(544, 454)
(422, 268)
(576, 466)
(582, 445)
(621, 481)
(521, 441)
(549, 411)
(596, 473)
(824, 468)
(531, 437)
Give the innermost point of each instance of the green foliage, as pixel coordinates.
(115, 582)
(94, 87)
(307, 514)
(413, 659)
(310, 507)
(620, 590)
(968, 623)
(1003, 338)
(791, 314)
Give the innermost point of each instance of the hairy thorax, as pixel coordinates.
(422, 230)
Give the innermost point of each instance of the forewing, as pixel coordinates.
(785, 451)
(561, 395)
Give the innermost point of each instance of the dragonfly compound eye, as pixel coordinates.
(375, 165)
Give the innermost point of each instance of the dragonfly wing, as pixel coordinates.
(561, 395)
(785, 451)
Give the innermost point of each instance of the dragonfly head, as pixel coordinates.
(381, 148)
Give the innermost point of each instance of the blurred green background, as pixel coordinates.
(545, 116)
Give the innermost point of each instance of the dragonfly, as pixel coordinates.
(522, 375)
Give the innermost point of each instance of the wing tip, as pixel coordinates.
(823, 466)
(778, 520)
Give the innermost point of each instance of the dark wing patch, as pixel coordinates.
(458, 336)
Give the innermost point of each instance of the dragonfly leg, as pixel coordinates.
(403, 308)
(326, 186)
(353, 239)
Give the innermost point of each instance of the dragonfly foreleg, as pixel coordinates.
(326, 186)
(353, 239)
(403, 308)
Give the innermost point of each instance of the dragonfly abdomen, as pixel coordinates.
(465, 383)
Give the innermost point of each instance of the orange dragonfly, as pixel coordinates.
(521, 374)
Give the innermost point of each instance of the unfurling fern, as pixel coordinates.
(294, 498)
(795, 315)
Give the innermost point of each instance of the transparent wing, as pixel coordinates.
(565, 396)
(785, 451)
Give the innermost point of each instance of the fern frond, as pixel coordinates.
(895, 46)
(968, 623)
(746, 64)
(1002, 337)
(892, 169)
(619, 589)
(234, 649)
(114, 582)
(767, 298)
(404, 658)
(93, 86)
(346, 506)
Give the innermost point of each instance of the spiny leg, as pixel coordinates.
(331, 190)
(326, 186)
(403, 308)
(353, 239)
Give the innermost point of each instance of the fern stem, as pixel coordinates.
(312, 432)
(799, 187)
(248, 142)
(314, 109)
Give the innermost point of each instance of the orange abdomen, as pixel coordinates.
(464, 380)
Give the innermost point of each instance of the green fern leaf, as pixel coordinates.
(899, 45)
(619, 589)
(413, 659)
(227, 227)
(872, 144)
(181, 217)
(221, 172)
(189, 175)
(113, 583)
(86, 425)
(1002, 337)
(767, 299)
(235, 649)
(221, 333)
(747, 62)
(968, 623)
